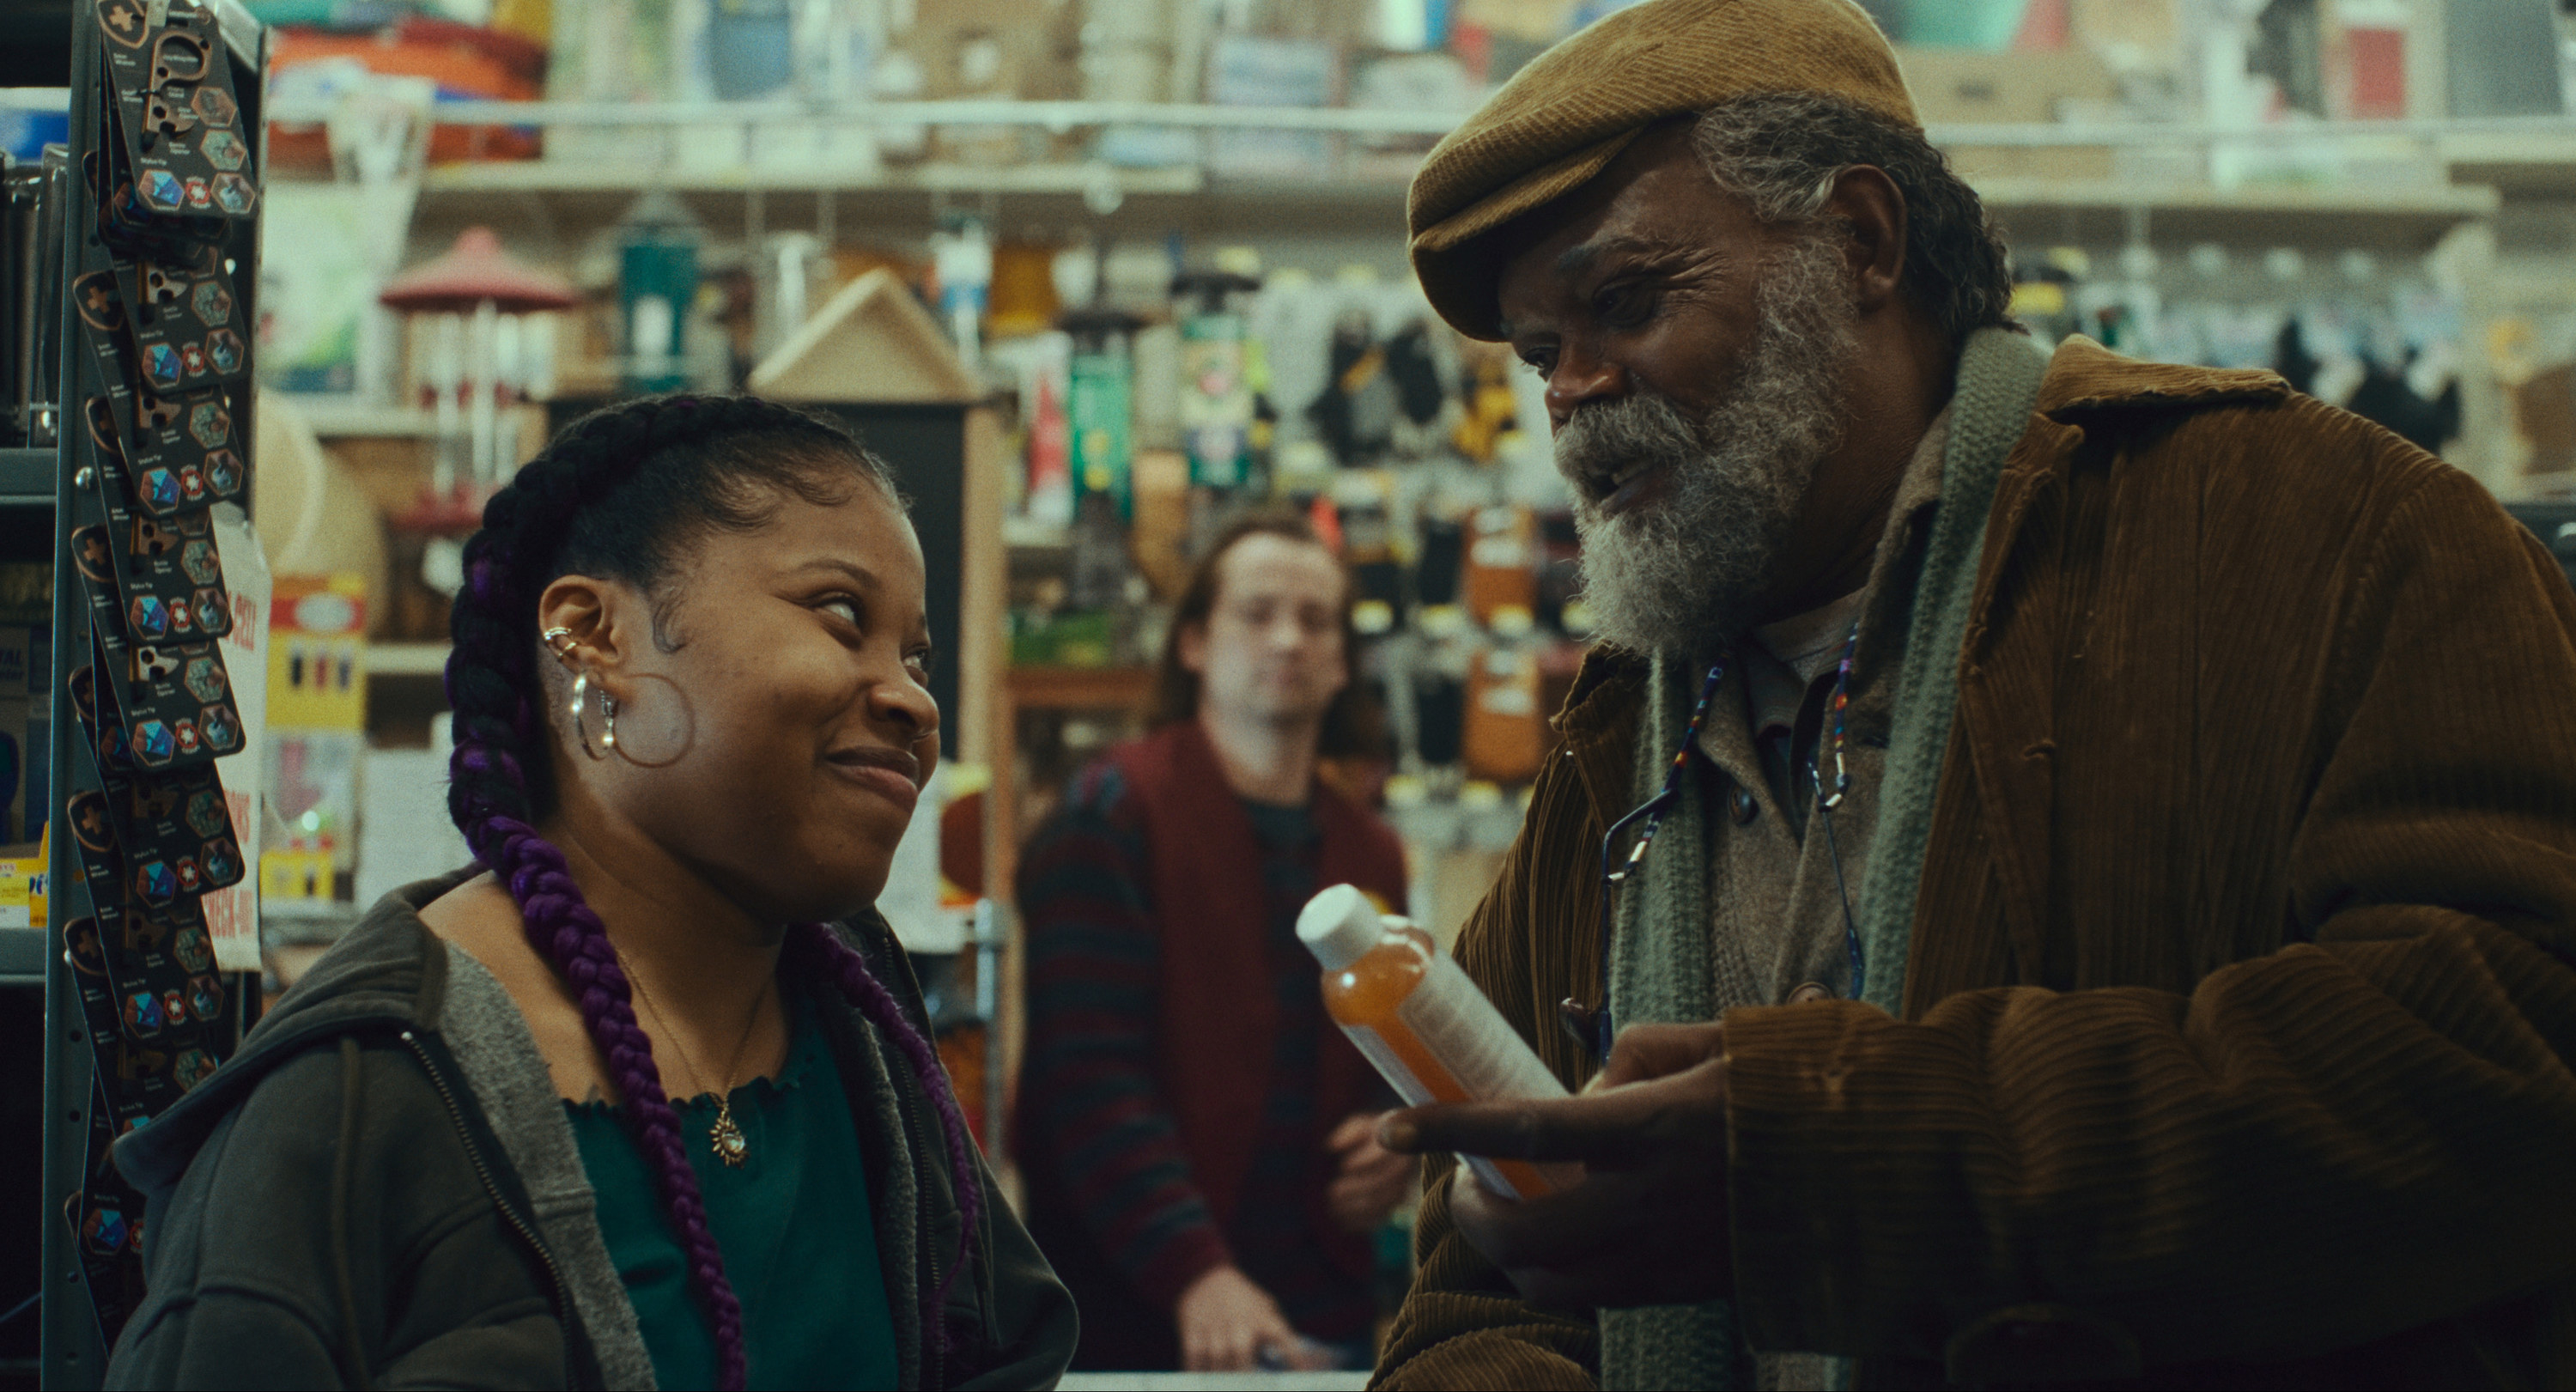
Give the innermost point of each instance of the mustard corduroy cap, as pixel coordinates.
(1576, 106)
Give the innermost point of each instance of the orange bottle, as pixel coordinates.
(1426, 1027)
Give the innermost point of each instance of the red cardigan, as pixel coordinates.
(1208, 916)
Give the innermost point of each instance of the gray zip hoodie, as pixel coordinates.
(382, 1187)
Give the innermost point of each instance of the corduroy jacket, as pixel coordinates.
(2238, 1017)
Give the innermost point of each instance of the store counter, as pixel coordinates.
(1216, 1382)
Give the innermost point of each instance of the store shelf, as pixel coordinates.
(1081, 688)
(336, 418)
(406, 660)
(625, 178)
(22, 956)
(2365, 213)
(2519, 164)
(2099, 212)
(26, 478)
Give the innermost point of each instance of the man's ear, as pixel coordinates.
(1190, 646)
(1872, 210)
(608, 621)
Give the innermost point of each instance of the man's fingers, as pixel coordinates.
(1586, 1223)
(1604, 1125)
(1655, 1051)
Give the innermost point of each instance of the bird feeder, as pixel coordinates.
(477, 361)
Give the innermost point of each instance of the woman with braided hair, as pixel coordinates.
(645, 1097)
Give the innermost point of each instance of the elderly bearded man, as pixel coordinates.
(2107, 917)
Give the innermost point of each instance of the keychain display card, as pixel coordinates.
(106, 1219)
(160, 963)
(175, 832)
(173, 699)
(170, 453)
(178, 126)
(166, 572)
(180, 317)
(142, 1077)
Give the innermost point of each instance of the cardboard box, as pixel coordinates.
(1960, 87)
(1954, 86)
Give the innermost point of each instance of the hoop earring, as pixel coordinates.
(578, 706)
(559, 641)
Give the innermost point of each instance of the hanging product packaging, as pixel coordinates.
(170, 96)
(1506, 736)
(1045, 387)
(172, 453)
(1216, 398)
(1100, 408)
(657, 283)
(1502, 562)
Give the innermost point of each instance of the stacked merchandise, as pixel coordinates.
(1169, 405)
(157, 435)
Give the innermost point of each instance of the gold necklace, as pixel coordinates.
(724, 1138)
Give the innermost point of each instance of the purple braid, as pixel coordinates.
(814, 948)
(616, 488)
(564, 931)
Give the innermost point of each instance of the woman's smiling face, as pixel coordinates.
(773, 726)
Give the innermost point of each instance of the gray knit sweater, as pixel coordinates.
(1660, 965)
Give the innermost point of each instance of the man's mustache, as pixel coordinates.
(1605, 442)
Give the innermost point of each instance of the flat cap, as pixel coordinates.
(1576, 106)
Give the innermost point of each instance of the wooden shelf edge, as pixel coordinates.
(407, 659)
(1080, 688)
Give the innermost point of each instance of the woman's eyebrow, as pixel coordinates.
(858, 575)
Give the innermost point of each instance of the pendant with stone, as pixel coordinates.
(729, 1144)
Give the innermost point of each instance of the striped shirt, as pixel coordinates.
(1089, 1074)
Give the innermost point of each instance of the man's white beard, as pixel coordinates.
(1679, 573)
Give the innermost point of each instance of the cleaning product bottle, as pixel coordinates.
(1431, 1033)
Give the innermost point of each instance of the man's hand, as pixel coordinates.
(1226, 1322)
(1648, 1224)
(1373, 1179)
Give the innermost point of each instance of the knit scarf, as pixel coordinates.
(1661, 968)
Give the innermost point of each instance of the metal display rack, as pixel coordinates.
(72, 1354)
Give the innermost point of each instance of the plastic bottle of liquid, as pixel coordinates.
(1431, 1033)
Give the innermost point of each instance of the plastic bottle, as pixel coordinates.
(1426, 1027)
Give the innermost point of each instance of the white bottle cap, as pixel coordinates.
(1339, 926)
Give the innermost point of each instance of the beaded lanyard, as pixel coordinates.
(1590, 1027)
(1839, 713)
(1594, 1028)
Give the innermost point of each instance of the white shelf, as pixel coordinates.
(334, 418)
(406, 659)
(625, 177)
(2519, 163)
(2313, 214)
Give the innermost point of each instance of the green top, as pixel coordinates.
(793, 1220)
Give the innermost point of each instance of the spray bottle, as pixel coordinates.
(1430, 1032)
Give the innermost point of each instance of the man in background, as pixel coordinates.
(1197, 1136)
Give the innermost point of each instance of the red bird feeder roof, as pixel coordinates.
(472, 271)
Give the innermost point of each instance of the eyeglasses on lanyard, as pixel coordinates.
(1594, 1028)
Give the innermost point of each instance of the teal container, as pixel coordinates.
(657, 281)
(1100, 409)
(1987, 26)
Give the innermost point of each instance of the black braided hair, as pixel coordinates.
(619, 494)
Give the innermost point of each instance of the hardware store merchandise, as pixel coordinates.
(1064, 664)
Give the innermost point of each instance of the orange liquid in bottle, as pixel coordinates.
(1429, 1031)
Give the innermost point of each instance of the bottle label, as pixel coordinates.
(1461, 1028)
(1374, 1048)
